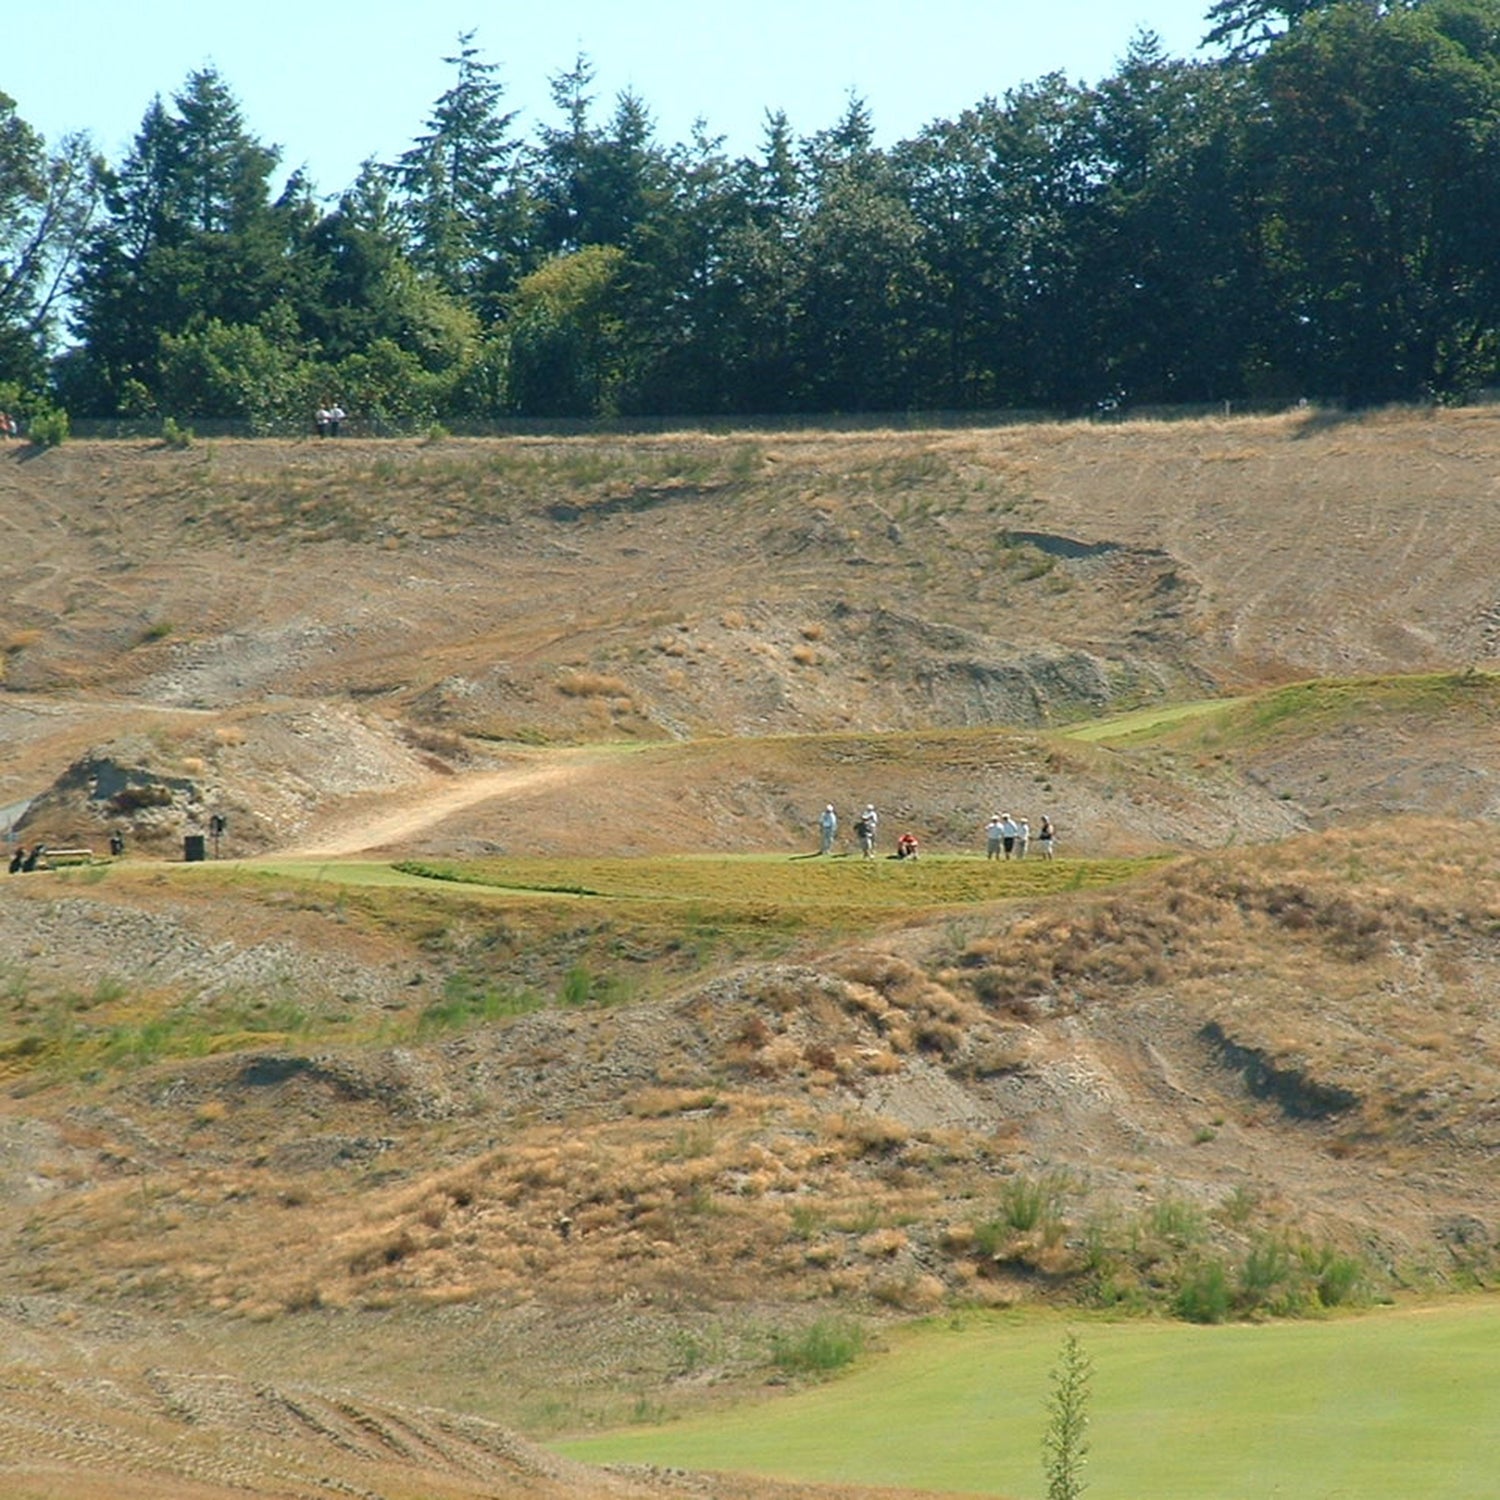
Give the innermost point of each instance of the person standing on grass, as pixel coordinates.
(828, 827)
(869, 821)
(992, 838)
(1008, 832)
(1023, 839)
(1044, 838)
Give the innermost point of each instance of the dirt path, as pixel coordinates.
(354, 832)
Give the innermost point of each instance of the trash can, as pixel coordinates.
(193, 847)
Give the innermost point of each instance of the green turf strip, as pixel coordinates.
(1391, 1406)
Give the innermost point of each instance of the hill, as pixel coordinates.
(580, 1093)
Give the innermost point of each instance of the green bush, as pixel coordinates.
(1177, 1221)
(1266, 1278)
(1203, 1294)
(819, 1349)
(577, 986)
(48, 427)
(1337, 1278)
(174, 435)
(1027, 1204)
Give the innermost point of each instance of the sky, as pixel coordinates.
(332, 85)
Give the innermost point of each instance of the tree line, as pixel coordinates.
(1311, 207)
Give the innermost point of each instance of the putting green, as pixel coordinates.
(1388, 1406)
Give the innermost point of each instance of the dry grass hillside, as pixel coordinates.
(517, 1071)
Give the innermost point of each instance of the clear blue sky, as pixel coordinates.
(334, 83)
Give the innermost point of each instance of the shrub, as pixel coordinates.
(48, 428)
(1203, 1294)
(591, 685)
(1337, 1278)
(174, 435)
(1266, 1277)
(819, 1349)
(1026, 1205)
(1177, 1222)
(577, 986)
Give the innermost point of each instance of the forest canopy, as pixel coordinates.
(1309, 208)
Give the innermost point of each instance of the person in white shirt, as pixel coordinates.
(992, 838)
(1009, 831)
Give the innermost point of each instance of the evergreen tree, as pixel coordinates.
(458, 188)
(756, 311)
(860, 284)
(190, 235)
(1167, 278)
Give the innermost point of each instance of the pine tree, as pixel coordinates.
(1064, 1445)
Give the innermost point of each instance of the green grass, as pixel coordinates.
(777, 885)
(1300, 708)
(1147, 723)
(1386, 1406)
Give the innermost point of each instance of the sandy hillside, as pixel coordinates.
(324, 1185)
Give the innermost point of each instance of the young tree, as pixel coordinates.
(1064, 1443)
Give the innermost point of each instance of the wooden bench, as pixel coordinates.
(52, 859)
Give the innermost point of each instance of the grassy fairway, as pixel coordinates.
(1389, 1406)
(1146, 722)
(758, 882)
